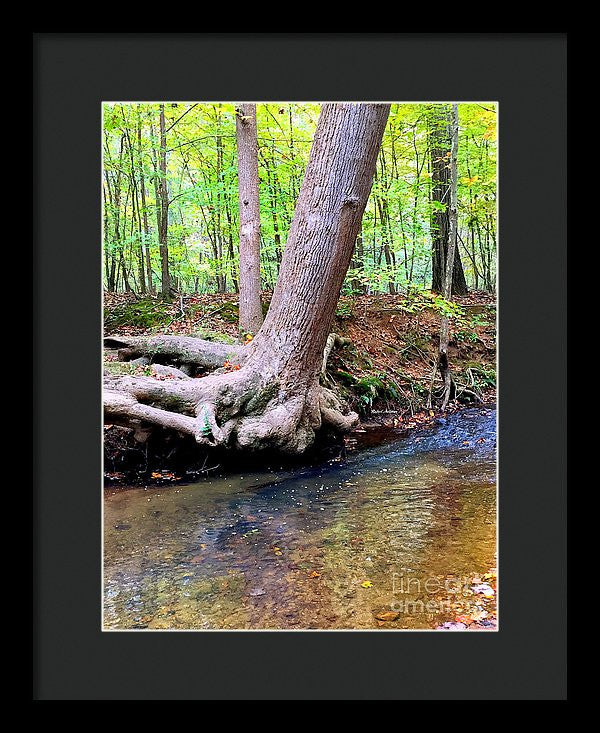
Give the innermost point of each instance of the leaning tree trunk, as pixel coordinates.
(275, 399)
(251, 315)
(440, 218)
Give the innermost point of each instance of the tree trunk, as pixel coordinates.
(144, 210)
(356, 263)
(231, 252)
(136, 215)
(451, 253)
(164, 210)
(274, 400)
(440, 219)
(251, 315)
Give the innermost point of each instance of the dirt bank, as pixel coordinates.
(385, 372)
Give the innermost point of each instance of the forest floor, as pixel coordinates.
(385, 373)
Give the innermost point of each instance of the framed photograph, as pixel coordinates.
(307, 417)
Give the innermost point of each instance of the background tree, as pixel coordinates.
(163, 209)
(202, 224)
(440, 117)
(443, 363)
(251, 315)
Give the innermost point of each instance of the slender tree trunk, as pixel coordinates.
(273, 206)
(440, 220)
(164, 211)
(251, 315)
(234, 278)
(135, 214)
(386, 245)
(356, 263)
(221, 271)
(451, 253)
(144, 210)
(117, 202)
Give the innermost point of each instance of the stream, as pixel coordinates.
(399, 528)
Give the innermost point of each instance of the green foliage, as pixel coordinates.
(419, 299)
(203, 219)
(208, 335)
(204, 422)
(346, 378)
(483, 375)
(343, 310)
(373, 387)
(466, 335)
(144, 313)
(230, 312)
(465, 329)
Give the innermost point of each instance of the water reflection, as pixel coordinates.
(319, 548)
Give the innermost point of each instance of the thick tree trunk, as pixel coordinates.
(275, 401)
(440, 219)
(251, 315)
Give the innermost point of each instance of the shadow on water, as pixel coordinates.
(396, 526)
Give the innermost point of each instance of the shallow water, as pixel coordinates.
(399, 527)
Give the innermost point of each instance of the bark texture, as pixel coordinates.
(451, 254)
(251, 315)
(275, 400)
(182, 350)
(163, 208)
(440, 141)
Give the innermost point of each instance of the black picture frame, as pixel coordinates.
(526, 658)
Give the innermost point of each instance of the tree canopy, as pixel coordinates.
(393, 251)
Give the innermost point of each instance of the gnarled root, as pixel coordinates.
(333, 340)
(244, 409)
(120, 406)
(176, 350)
(250, 408)
(332, 412)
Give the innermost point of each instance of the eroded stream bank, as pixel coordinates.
(403, 531)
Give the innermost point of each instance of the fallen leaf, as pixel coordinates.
(366, 584)
(483, 589)
(387, 616)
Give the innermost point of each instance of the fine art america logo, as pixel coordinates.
(436, 594)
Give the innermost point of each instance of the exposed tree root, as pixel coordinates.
(249, 408)
(176, 350)
(120, 406)
(332, 340)
(332, 412)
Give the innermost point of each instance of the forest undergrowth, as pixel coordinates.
(384, 373)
